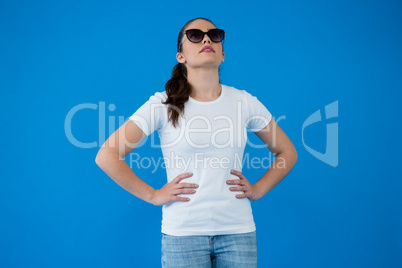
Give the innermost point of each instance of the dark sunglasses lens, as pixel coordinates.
(216, 35)
(195, 35)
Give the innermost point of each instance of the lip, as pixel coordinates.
(207, 47)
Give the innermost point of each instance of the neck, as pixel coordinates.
(204, 83)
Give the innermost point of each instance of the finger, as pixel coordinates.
(184, 191)
(182, 176)
(240, 196)
(178, 198)
(187, 185)
(237, 173)
(237, 181)
(239, 188)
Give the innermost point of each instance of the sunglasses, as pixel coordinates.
(196, 35)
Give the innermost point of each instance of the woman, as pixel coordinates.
(207, 217)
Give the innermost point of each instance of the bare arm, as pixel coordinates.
(285, 156)
(110, 159)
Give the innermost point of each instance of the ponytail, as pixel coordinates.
(178, 91)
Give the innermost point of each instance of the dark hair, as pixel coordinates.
(177, 88)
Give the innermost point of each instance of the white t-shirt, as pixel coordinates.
(209, 141)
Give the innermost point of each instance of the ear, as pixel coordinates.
(180, 58)
(223, 56)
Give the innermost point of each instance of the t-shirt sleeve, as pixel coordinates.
(151, 115)
(258, 115)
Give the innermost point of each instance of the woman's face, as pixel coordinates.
(191, 54)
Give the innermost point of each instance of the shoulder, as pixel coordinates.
(156, 100)
(158, 97)
(238, 93)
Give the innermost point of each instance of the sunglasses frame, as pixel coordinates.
(206, 33)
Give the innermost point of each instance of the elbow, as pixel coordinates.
(99, 157)
(104, 155)
(294, 154)
(291, 156)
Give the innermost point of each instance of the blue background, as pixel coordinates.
(59, 209)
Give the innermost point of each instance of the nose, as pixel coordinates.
(206, 38)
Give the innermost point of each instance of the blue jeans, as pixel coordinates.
(202, 251)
